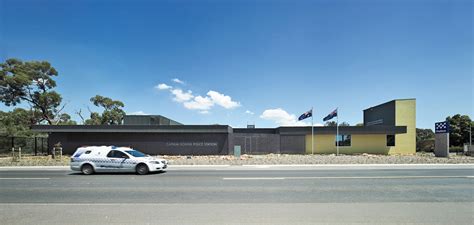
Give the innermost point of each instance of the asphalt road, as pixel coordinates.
(247, 196)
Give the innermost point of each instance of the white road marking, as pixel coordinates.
(368, 177)
(254, 178)
(82, 204)
(24, 178)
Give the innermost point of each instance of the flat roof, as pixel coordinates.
(216, 129)
(132, 128)
(394, 100)
(382, 129)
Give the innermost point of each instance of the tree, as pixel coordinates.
(32, 83)
(344, 124)
(459, 129)
(424, 140)
(359, 124)
(17, 122)
(95, 119)
(65, 119)
(112, 114)
(333, 124)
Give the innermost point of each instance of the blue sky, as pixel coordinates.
(275, 59)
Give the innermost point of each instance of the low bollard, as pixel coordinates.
(57, 153)
(16, 156)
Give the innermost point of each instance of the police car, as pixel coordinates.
(93, 159)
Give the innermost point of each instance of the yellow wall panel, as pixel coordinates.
(405, 115)
(362, 143)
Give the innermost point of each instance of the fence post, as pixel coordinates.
(42, 146)
(36, 147)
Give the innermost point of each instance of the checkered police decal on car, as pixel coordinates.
(105, 160)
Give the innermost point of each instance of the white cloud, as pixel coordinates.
(181, 96)
(163, 87)
(138, 113)
(176, 80)
(223, 100)
(202, 103)
(282, 118)
(249, 112)
(199, 103)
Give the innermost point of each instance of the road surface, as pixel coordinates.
(240, 196)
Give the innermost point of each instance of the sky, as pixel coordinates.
(250, 62)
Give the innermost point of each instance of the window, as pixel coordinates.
(136, 153)
(116, 154)
(390, 140)
(87, 152)
(343, 140)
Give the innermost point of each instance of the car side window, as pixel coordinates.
(111, 154)
(116, 154)
(119, 154)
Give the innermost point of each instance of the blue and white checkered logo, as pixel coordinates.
(442, 127)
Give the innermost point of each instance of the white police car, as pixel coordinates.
(114, 159)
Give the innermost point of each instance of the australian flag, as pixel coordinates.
(331, 115)
(306, 115)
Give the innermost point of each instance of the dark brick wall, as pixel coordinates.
(150, 143)
(255, 143)
(384, 112)
(292, 144)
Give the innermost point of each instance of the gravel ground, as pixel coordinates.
(35, 161)
(270, 159)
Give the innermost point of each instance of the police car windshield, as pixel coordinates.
(135, 153)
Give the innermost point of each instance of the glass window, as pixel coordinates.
(87, 152)
(135, 153)
(343, 140)
(390, 140)
(116, 154)
(111, 154)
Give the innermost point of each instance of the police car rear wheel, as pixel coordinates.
(87, 169)
(142, 169)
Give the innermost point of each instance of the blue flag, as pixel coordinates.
(306, 115)
(331, 115)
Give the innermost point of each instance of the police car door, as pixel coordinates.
(115, 160)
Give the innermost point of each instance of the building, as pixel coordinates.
(388, 128)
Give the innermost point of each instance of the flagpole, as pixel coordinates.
(312, 132)
(337, 132)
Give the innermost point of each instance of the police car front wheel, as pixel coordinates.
(142, 169)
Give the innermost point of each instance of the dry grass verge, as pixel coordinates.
(270, 159)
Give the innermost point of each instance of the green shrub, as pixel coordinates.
(425, 145)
